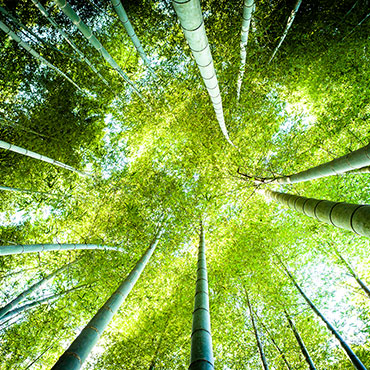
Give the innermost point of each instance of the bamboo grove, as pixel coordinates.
(185, 184)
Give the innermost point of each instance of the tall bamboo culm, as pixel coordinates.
(201, 356)
(191, 19)
(353, 217)
(79, 350)
(6, 250)
(354, 162)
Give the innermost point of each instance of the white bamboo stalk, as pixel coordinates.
(191, 20)
(40, 157)
(289, 24)
(247, 16)
(34, 53)
(45, 13)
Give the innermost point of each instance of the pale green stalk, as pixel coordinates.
(352, 217)
(6, 250)
(40, 157)
(354, 162)
(201, 356)
(130, 31)
(86, 31)
(247, 16)
(191, 20)
(25, 46)
(45, 13)
(289, 23)
(6, 188)
(9, 306)
(79, 350)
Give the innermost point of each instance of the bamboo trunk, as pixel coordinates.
(191, 19)
(201, 357)
(352, 217)
(45, 13)
(259, 344)
(247, 16)
(131, 32)
(34, 53)
(347, 349)
(81, 347)
(351, 162)
(301, 344)
(31, 290)
(40, 157)
(6, 188)
(6, 250)
(289, 24)
(86, 31)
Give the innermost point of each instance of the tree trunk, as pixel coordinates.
(40, 157)
(81, 347)
(131, 32)
(247, 16)
(6, 188)
(86, 31)
(32, 289)
(45, 13)
(352, 161)
(353, 358)
(201, 357)
(259, 344)
(353, 273)
(6, 250)
(352, 217)
(33, 52)
(301, 344)
(282, 355)
(191, 20)
(289, 24)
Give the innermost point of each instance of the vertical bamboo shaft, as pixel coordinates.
(29, 153)
(191, 19)
(353, 217)
(356, 161)
(201, 357)
(301, 344)
(78, 351)
(6, 250)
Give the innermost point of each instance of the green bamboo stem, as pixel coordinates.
(353, 274)
(40, 157)
(247, 16)
(301, 344)
(45, 13)
(86, 31)
(33, 288)
(289, 24)
(21, 27)
(131, 32)
(6, 250)
(347, 349)
(78, 351)
(255, 331)
(191, 19)
(33, 52)
(6, 188)
(352, 217)
(356, 160)
(201, 356)
(360, 170)
(281, 353)
(8, 316)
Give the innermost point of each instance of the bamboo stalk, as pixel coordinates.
(191, 19)
(201, 354)
(78, 351)
(352, 217)
(29, 153)
(34, 53)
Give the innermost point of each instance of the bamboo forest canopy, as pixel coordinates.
(124, 124)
